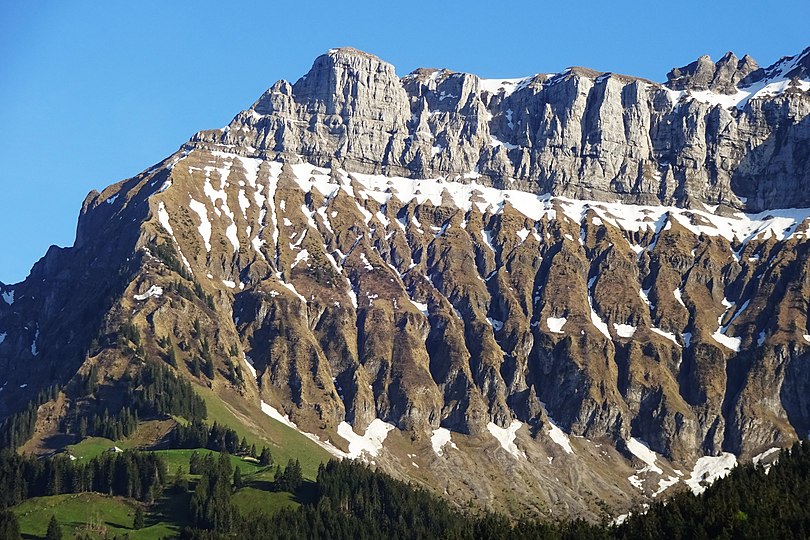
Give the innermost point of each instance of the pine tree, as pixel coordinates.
(194, 366)
(54, 530)
(180, 483)
(194, 463)
(238, 483)
(9, 527)
(138, 522)
(265, 458)
(208, 367)
(171, 355)
(82, 427)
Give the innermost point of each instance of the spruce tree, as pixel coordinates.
(194, 463)
(238, 483)
(265, 459)
(9, 527)
(138, 522)
(54, 530)
(208, 368)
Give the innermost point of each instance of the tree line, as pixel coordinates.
(354, 502)
(153, 391)
(218, 438)
(19, 427)
(134, 474)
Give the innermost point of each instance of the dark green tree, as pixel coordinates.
(54, 530)
(138, 522)
(9, 527)
(265, 458)
(238, 483)
(195, 463)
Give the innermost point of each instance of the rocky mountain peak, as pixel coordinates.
(704, 74)
(346, 81)
(579, 133)
(788, 67)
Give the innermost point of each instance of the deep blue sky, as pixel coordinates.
(94, 92)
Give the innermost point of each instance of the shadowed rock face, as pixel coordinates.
(445, 251)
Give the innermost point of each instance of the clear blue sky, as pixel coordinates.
(94, 92)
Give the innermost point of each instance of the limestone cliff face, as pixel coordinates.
(562, 254)
(715, 133)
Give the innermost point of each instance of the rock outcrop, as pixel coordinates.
(580, 133)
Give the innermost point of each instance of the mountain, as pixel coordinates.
(562, 294)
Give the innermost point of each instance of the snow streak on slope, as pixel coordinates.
(464, 196)
(558, 436)
(273, 413)
(642, 452)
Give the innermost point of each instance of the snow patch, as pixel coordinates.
(560, 437)
(720, 336)
(523, 234)
(302, 256)
(765, 455)
(251, 368)
(8, 297)
(487, 237)
(495, 324)
(708, 469)
(370, 443)
(596, 320)
(153, 292)
(439, 439)
(732, 343)
(506, 437)
(273, 413)
(163, 219)
(421, 307)
(624, 330)
(669, 335)
(664, 484)
(505, 86)
(642, 452)
(34, 349)
(291, 287)
(205, 226)
(555, 324)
